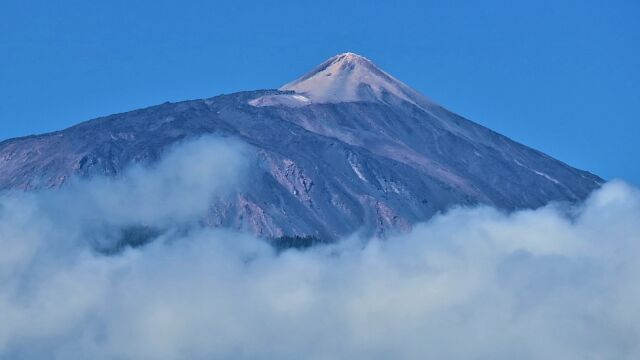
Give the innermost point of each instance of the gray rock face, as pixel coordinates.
(379, 161)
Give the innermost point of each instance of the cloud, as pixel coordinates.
(473, 283)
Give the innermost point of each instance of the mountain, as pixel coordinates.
(346, 147)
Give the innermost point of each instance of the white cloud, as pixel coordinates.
(474, 283)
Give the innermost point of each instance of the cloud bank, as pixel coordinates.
(473, 283)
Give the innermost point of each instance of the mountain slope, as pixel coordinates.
(344, 148)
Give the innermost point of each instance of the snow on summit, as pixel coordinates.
(346, 77)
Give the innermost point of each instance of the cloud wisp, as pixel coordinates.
(472, 283)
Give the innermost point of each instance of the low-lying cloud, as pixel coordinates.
(471, 284)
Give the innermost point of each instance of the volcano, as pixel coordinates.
(345, 148)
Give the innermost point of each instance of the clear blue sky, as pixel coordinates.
(560, 76)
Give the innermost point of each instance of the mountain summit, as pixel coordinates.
(351, 77)
(346, 77)
(345, 148)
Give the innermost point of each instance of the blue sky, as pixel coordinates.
(560, 76)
